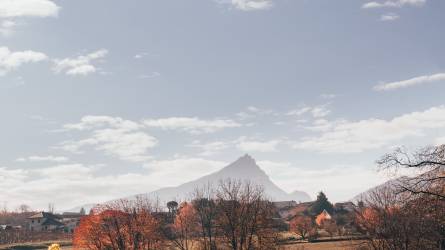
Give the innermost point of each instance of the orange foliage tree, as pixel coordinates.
(392, 221)
(121, 225)
(185, 227)
(302, 225)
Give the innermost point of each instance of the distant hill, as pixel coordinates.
(245, 168)
(393, 184)
(396, 184)
(87, 208)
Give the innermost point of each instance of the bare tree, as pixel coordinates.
(392, 222)
(430, 161)
(24, 208)
(51, 207)
(207, 212)
(330, 227)
(245, 217)
(428, 186)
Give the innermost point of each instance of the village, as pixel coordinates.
(295, 221)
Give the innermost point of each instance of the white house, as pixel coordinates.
(44, 221)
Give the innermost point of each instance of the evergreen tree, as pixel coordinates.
(82, 211)
(322, 203)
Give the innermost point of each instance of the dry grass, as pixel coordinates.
(66, 245)
(334, 245)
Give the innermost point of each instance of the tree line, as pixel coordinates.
(234, 215)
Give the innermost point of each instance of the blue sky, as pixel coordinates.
(102, 99)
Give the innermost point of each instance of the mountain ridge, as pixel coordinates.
(244, 169)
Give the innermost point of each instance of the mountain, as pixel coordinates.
(245, 168)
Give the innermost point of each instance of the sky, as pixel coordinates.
(101, 99)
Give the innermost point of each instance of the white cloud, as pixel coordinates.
(81, 65)
(393, 4)
(28, 8)
(177, 171)
(7, 27)
(259, 111)
(10, 61)
(291, 177)
(92, 122)
(300, 111)
(68, 185)
(420, 80)
(48, 158)
(243, 144)
(322, 124)
(68, 171)
(141, 55)
(71, 185)
(115, 136)
(247, 145)
(316, 111)
(389, 17)
(253, 112)
(211, 148)
(248, 5)
(320, 111)
(192, 125)
(349, 137)
(12, 176)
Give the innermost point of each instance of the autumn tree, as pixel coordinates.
(122, 224)
(330, 227)
(391, 221)
(185, 227)
(302, 225)
(90, 234)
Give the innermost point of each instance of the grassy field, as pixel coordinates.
(66, 245)
(336, 245)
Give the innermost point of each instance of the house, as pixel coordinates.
(284, 204)
(71, 221)
(44, 221)
(345, 206)
(322, 217)
(289, 212)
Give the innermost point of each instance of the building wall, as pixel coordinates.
(36, 224)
